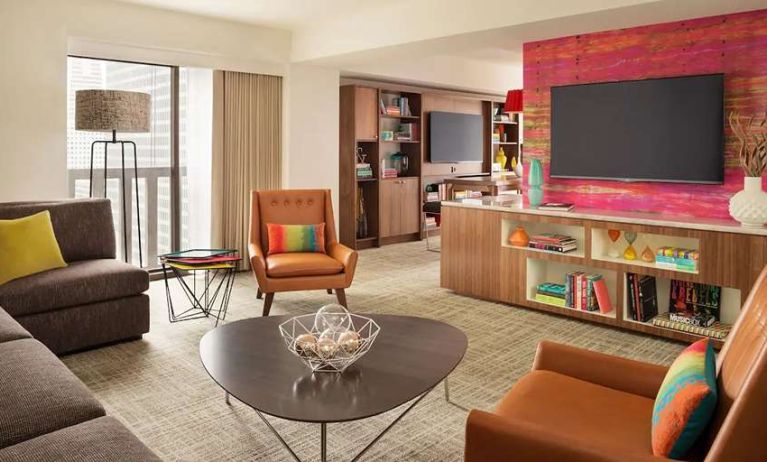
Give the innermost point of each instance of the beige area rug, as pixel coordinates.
(159, 389)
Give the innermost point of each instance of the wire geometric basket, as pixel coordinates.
(329, 346)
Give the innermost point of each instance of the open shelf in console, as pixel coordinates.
(603, 249)
(728, 311)
(540, 271)
(536, 227)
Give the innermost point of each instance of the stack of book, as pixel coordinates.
(432, 196)
(364, 171)
(389, 173)
(581, 293)
(716, 330)
(677, 259)
(404, 132)
(551, 294)
(553, 242)
(431, 221)
(641, 297)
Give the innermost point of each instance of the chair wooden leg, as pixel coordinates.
(330, 291)
(341, 294)
(259, 294)
(268, 303)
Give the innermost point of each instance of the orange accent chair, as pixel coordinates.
(577, 405)
(284, 272)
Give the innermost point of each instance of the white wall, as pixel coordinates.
(311, 145)
(33, 101)
(37, 35)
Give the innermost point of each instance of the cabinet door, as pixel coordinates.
(410, 210)
(365, 113)
(389, 208)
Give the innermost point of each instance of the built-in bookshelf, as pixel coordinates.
(504, 132)
(390, 122)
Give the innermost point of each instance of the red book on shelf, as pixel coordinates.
(603, 297)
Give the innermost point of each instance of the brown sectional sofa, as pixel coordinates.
(96, 299)
(47, 414)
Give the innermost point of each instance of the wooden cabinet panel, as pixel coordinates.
(409, 206)
(472, 263)
(388, 205)
(399, 205)
(366, 113)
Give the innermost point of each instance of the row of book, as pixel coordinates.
(581, 291)
(553, 242)
(467, 194)
(677, 258)
(364, 170)
(400, 107)
(436, 192)
(641, 297)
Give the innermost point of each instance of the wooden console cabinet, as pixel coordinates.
(478, 261)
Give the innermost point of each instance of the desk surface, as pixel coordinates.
(486, 180)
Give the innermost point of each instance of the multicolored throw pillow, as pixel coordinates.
(295, 238)
(685, 402)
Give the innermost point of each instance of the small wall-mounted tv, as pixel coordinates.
(666, 129)
(455, 137)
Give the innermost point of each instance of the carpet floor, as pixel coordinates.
(159, 389)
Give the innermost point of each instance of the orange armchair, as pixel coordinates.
(577, 405)
(333, 270)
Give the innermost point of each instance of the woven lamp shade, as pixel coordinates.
(107, 110)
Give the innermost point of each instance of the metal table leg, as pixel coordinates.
(324, 432)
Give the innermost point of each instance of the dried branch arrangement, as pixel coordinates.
(752, 142)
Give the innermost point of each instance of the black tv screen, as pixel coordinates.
(455, 137)
(668, 129)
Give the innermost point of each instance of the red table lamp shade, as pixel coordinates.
(513, 101)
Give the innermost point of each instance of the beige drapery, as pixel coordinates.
(247, 151)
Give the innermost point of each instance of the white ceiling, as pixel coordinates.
(431, 40)
(283, 14)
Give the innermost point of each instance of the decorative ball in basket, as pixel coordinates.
(330, 340)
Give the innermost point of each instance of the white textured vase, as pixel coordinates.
(749, 206)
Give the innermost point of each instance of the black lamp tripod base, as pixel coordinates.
(106, 144)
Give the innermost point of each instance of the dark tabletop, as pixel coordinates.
(411, 355)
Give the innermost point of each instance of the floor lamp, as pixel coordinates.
(113, 111)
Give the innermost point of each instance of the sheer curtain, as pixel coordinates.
(247, 151)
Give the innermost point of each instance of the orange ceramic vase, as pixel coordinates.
(519, 237)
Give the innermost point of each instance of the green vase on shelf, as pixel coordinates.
(535, 180)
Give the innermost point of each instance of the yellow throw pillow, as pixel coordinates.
(28, 246)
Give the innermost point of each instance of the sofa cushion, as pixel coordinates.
(83, 227)
(28, 246)
(79, 283)
(100, 440)
(286, 265)
(38, 394)
(685, 402)
(572, 408)
(10, 329)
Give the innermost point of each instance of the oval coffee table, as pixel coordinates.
(410, 357)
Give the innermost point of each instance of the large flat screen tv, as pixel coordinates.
(455, 137)
(668, 129)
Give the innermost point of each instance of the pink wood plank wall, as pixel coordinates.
(735, 45)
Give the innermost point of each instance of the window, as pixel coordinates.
(169, 220)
